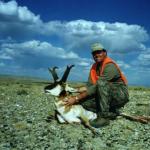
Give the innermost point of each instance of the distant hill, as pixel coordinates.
(22, 78)
(16, 78)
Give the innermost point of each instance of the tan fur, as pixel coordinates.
(72, 113)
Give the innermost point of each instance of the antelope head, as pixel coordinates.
(59, 86)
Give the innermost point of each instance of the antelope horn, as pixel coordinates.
(54, 74)
(66, 73)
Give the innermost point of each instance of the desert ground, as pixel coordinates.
(27, 122)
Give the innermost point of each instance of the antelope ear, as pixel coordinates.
(70, 89)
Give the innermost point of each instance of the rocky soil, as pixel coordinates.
(24, 109)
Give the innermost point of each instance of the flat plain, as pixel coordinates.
(24, 109)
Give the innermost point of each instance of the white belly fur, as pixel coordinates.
(74, 114)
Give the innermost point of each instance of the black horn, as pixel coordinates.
(66, 73)
(54, 74)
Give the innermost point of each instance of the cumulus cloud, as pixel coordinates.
(123, 64)
(34, 47)
(36, 54)
(2, 64)
(12, 10)
(118, 37)
(144, 58)
(17, 21)
(5, 56)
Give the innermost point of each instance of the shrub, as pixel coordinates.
(22, 92)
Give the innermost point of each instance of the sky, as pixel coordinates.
(35, 35)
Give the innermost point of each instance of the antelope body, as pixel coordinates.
(70, 114)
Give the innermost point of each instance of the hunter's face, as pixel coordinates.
(99, 56)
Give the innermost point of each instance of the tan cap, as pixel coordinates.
(97, 47)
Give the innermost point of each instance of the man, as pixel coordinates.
(106, 84)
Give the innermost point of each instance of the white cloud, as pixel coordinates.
(2, 64)
(35, 47)
(144, 58)
(11, 9)
(123, 64)
(31, 55)
(5, 56)
(118, 37)
(84, 64)
(19, 22)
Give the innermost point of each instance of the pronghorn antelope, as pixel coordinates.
(60, 89)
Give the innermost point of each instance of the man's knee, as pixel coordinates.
(118, 104)
(89, 104)
(103, 86)
(102, 83)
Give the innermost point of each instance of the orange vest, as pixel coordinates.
(94, 76)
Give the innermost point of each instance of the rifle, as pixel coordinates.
(142, 119)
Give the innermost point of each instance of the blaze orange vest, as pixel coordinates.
(94, 76)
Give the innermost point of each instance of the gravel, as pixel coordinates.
(27, 122)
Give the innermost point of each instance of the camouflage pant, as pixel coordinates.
(108, 97)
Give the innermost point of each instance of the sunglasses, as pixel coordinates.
(98, 52)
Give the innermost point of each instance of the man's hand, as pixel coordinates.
(82, 89)
(68, 101)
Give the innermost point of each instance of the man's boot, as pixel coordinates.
(100, 121)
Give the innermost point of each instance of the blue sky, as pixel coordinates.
(35, 35)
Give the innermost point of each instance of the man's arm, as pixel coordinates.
(82, 89)
(75, 99)
(110, 72)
